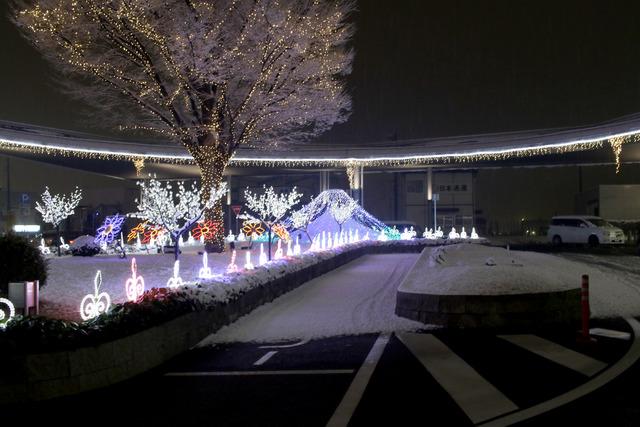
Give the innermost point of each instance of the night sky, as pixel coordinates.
(432, 68)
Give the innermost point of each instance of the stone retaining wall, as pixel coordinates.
(49, 375)
(505, 313)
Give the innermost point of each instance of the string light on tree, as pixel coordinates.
(54, 209)
(211, 76)
(270, 207)
(176, 212)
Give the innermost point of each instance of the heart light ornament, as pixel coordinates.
(95, 304)
(176, 280)
(134, 285)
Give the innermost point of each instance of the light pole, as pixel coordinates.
(435, 199)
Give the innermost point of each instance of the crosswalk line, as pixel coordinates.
(556, 353)
(609, 333)
(260, 373)
(478, 398)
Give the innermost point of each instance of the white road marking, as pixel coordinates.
(250, 373)
(264, 358)
(628, 360)
(298, 344)
(478, 398)
(557, 353)
(351, 399)
(609, 333)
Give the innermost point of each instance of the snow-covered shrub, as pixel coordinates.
(20, 262)
(84, 246)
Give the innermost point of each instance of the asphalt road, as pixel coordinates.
(429, 377)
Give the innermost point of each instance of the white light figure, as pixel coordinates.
(428, 234)
(329, 242)
(382, 237)
(453, 234)
(248, 265)
(232, 267)
(202, 239)
(278, 254)
(205, 271)
(63, 245)
(289, 249)
(474, 235)
(138, 244)
(191, 240)
(412, 232)
(323, 241)
(96, 304)
(231, 237)
(296, 247)
(439, 233)
(356, 237)
(134, 285)
(180, 241)
(3, 317)
(152, 242)
(44, 250)
(241, 237)
(176, 280)
(406, 234)
(262, 259)
(103, 247)
(336, 240)
(366, 236)
(463, 234)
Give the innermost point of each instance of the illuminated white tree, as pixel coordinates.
(210, 75)
(301, 219)
(343, 211)
(175, 212)
(269, 207)
(57, 208)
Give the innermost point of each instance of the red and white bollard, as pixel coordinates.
(586, 313)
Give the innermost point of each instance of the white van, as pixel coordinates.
(590, 230)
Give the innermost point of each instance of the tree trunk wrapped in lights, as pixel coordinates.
(213, 76)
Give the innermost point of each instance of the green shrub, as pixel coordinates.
(20, 262)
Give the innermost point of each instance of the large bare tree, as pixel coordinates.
(212, 75)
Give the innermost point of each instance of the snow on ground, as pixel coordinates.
(71, 277)
(464, 269)
(614, 282)
(477, 269)
(356, 298)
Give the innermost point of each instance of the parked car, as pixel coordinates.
(590, 230)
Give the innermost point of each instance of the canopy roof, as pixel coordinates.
(458, 149)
